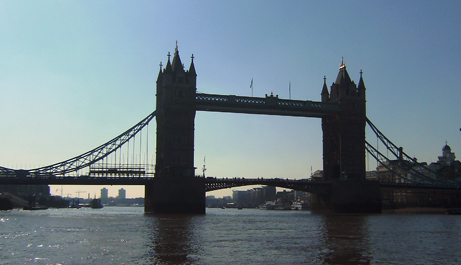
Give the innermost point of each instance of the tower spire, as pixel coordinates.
(361, 87)
(325, 94)
(342, 65)
(159, 78)
(192, 72)
(176, 63)
(168, 65)
(343, 78)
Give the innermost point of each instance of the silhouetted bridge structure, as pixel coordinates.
(211, 183)
(172, 186)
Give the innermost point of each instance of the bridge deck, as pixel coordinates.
(211, 183)
(76, 180)
(269, 105)
(126, 172)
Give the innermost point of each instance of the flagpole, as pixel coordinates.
(289, 88)
(251, 86)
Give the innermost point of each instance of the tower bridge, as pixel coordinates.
(173, 186)
(343, 114)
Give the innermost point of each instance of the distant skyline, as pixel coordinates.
(75, 74)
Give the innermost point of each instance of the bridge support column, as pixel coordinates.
(175, 187)
(344, 150)
(349, 196)
(177, 196)
(148, 196)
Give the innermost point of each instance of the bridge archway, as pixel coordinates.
(253, 151)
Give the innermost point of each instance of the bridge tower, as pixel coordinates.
(344, 148)
(176, 189)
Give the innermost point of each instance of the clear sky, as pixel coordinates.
(75, 74)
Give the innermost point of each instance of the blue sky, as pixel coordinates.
(75, 74)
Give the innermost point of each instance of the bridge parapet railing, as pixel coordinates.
(120, 170)
(242, 179)
(267, 101)
(307, 185)
(209, 97)
(229, 99)
(308, 104)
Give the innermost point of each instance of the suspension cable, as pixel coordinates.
(383, 159)
(147, 147)
(95, 155)
(400, 155)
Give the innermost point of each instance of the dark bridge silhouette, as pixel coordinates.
(173, 186)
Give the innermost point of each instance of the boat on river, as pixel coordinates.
(269, 205)
(34, 208)
(297, 206)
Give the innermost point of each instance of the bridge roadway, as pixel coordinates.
(211, 183)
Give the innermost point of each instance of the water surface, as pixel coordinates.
(125, 235)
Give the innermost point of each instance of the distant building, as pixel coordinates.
(396, 171)
(403, 171)
(447, 157)
(371, 175)
(41, 193)
(268, 193)
(104, 195)
(253, 198)
(289, 195)
(447, 166)
(318, 175)
(238, 197)
(302, 196)
(25, 191)
(121, 194)
(213, 202)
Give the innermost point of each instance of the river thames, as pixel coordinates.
(125, 235)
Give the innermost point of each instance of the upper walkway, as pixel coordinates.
(270, 105)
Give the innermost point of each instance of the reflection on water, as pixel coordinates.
(172, 239)
(259, 237)
(346, 238)
(118, 235)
